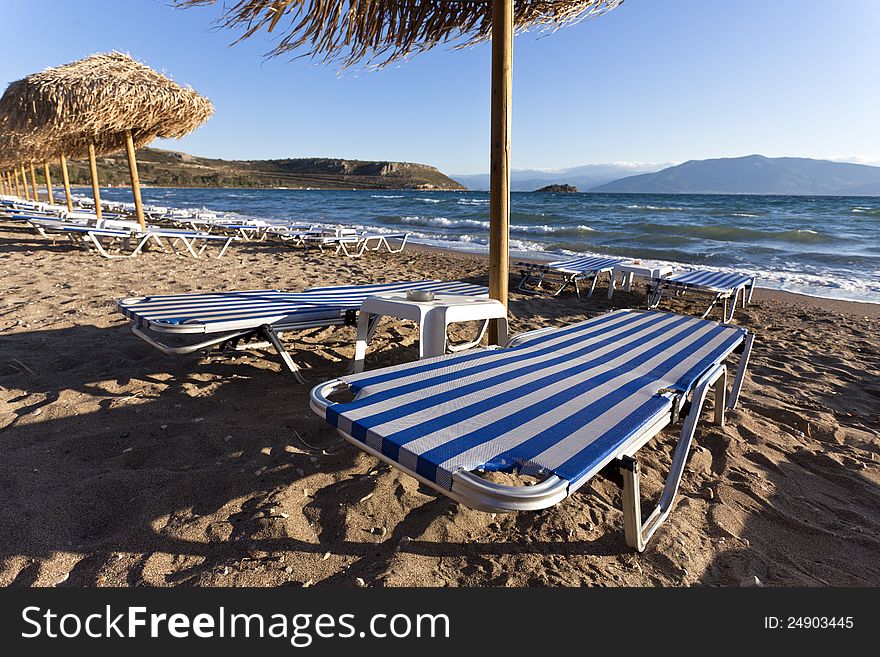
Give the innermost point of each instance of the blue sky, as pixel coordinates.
(652, 81)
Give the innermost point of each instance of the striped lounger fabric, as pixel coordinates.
(233, 319)
(724, 286)
(571, 271)
(558, 403)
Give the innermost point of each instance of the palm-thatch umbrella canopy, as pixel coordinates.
(102, 104)
(378, 32)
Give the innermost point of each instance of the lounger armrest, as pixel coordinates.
(318, 397)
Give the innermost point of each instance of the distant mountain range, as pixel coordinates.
(583, 177)
(163, 168)
(754, 174)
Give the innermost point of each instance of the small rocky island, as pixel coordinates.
(567, 189)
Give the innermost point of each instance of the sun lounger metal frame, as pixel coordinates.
(478, 493)
(569, 271)
(728, 293)
(354, 246)
(121, 242)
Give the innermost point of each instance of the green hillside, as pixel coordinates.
(161, 168)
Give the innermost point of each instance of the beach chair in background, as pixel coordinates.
(723, 286)
(567, 272)
(112, 238)
(192, 242)
(106, 242)
(353, 244)
(559, 404)
(256, 319)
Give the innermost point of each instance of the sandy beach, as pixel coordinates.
(122, 466)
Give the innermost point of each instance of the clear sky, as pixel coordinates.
(652, 81)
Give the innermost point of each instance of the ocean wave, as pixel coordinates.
(430, 200)
(722, 233)
(655, 208)
(473, 201)
(873, 212)
(386, 196)
(445, 222)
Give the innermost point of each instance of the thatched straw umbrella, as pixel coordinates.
(382, 31)
(99, 105)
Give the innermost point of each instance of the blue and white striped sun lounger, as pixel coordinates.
(725, 286)
(557, 403)
(231, 320)
(571, 270)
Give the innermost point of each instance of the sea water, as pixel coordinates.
(817, 245)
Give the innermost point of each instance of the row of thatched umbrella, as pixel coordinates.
(93, 107)
(379, 32)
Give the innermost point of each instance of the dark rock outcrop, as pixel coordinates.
(567, 189)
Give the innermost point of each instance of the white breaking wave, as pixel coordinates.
(655, 208)
(444, 222)
(386, 196)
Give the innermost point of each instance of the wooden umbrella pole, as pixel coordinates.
(17, 188)
(96, 193)
(135, 180)
(499, 171)
(49, 198)
(34, 182)
(66, 179)
(24, 183)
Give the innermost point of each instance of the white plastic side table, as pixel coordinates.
(433, 318)
(627, 272)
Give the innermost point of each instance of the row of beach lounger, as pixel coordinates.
(116, 235)
(725, 287)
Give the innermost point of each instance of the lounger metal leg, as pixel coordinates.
(189, 246)
(484, 324)
(638, 533)
(286, 359)
(728, 315)
(226, 246)
(100, 248)
(655, 294)
(721, 398)
(593, 285)
(400, 248)
(717, 298)
(741, 371)
(140, 245)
